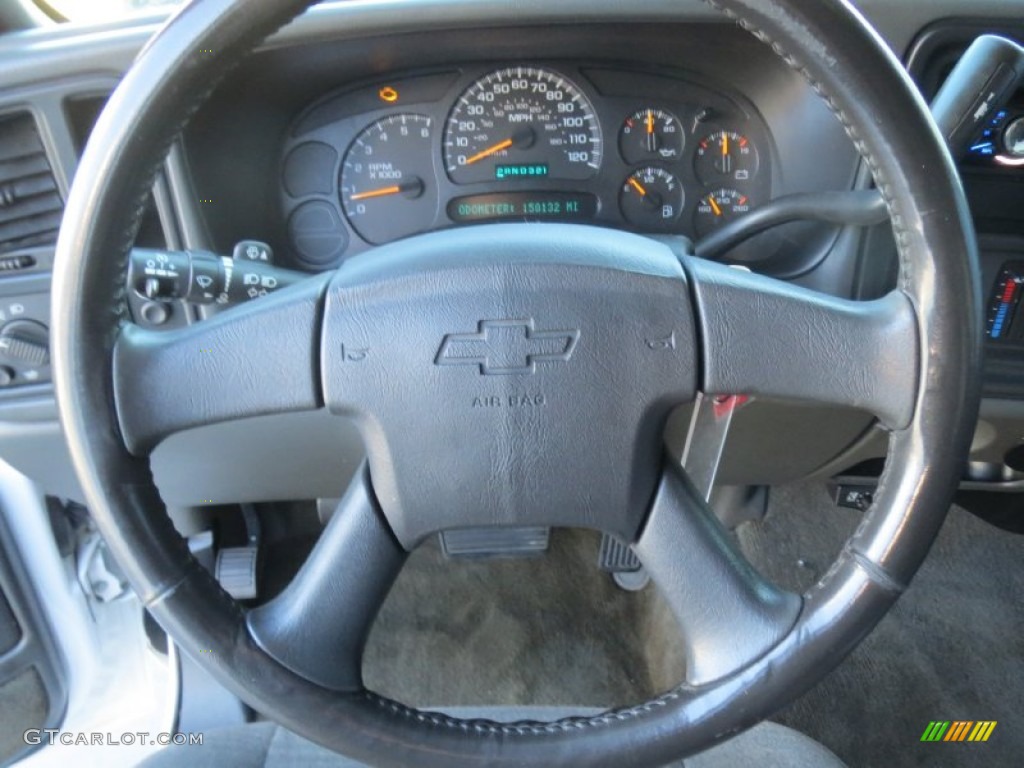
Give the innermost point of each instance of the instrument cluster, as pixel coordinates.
(645, 151)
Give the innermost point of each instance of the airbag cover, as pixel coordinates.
(516, 375)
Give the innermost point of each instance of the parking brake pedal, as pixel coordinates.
(617, 558)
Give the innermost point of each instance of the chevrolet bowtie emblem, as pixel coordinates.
(503, 347)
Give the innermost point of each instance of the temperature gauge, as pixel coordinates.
(717, 208)
(1004, 302)
(652, 199)
(726, 155)
(651, 134)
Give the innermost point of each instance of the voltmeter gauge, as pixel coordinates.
(725, 156)
(718, 207)
(651, 134)
(652, 199)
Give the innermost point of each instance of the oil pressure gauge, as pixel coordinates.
(651, 134)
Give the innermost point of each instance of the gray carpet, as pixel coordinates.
(549, 631)
(555, 631)
(951, 649)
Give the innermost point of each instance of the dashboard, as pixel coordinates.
(352, 129)
(334, 139)
(650, 152)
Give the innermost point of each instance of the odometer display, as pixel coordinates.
(519, 118)
(525, 206)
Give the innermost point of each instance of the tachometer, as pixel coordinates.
(522, 123)
(386, 176)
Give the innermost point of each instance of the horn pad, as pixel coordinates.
(510, 375)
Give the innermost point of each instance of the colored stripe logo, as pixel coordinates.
(959, 730)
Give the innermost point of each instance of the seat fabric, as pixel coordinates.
(267, 745)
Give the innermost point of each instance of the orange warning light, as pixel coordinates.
(388, 94)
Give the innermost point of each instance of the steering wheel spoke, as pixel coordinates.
(728, 614)
(257, 359)
(764, 337)
(318, 625)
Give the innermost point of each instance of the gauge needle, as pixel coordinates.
(726, 157)
(413, 188)
(489, 151)
(714, 206)
(650, 121)
(383, 192)
(638, 187)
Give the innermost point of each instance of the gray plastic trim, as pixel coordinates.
(59, 50)
(26, 519)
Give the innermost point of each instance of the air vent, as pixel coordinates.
(30, 204)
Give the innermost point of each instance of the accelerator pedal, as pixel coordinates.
(618, 558)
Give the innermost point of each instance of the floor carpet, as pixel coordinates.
(555, 631)
(546, 631)
(951, 649)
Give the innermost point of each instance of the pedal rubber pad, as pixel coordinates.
(616, 556)
(495, 542)
(236, 571)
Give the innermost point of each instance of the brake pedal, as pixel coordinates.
(495, 542)
(236, 571)
(237, 568)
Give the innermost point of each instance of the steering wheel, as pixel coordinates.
(521, 374)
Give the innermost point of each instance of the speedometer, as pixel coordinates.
(522, 123)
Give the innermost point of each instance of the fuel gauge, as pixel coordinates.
(652, 199)
(651, 134)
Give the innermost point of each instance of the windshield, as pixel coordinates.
(103, 10)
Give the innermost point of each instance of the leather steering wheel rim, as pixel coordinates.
(866, 87)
